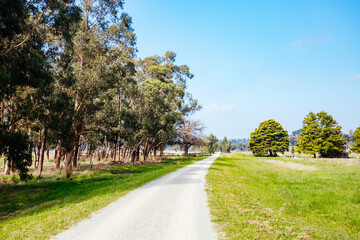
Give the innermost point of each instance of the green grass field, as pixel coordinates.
(39, 209)
(277, 198)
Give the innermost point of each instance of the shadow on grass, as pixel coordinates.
(39, 195)
(221, 164)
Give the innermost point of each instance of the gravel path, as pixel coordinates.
(172, 207)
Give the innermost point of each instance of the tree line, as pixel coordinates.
(320, 135)
(70, 78)
(213, 144)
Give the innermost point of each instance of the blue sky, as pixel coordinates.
(256, 60)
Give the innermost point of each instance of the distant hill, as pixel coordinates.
(239, 144)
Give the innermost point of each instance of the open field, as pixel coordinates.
(279, 198)
(39, 209)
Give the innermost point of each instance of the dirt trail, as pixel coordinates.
(172, 207)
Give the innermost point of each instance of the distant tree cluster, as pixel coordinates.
(239, 144)
(225, 145)
(69, 79)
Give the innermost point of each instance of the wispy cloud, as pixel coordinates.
(309, 41)
(216, 107)
(357, 76)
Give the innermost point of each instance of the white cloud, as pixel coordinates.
(216, 107)
(357, 76)
(308, 41)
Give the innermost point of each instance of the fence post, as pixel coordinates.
(330, 160)
(349, 161)
(338, 160)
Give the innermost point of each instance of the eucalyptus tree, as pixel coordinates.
(25, 67)
(103, 45)
(162, 101)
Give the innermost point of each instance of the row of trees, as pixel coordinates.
(320, 136)
(69, 78)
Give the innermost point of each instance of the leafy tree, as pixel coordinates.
(268, 139)
(28, 33)
(213, 143)
(356, 137)
(102, 49)
(225, 145)
(69, 79)
(321, 134)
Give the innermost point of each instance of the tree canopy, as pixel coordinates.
(321, 134)
(189, 133)
(356, 137)
(268, 139)
(70, 80)
(213, 143)
(225, 145)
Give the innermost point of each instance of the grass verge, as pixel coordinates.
(263, 198)
(39, 209)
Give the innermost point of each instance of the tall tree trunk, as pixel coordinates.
(99, 154)
(133, 156)
(58, 158)
(76, 153)
(68, 162)
(124, 149)
(154, 154)
(114, 152)
(42, 152)
(88, 150)
(7, 167)
(48, 154)
(137, 154)
(36, 157)
(186, 149)
(107, 153)
(55, 153)
(38, 150)
(91, 155)
(119, 149)
(161, 151)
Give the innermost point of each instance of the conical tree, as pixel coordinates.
(356, 137)
(268, 139)
(321, 134)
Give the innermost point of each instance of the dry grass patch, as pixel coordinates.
(291, 165)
